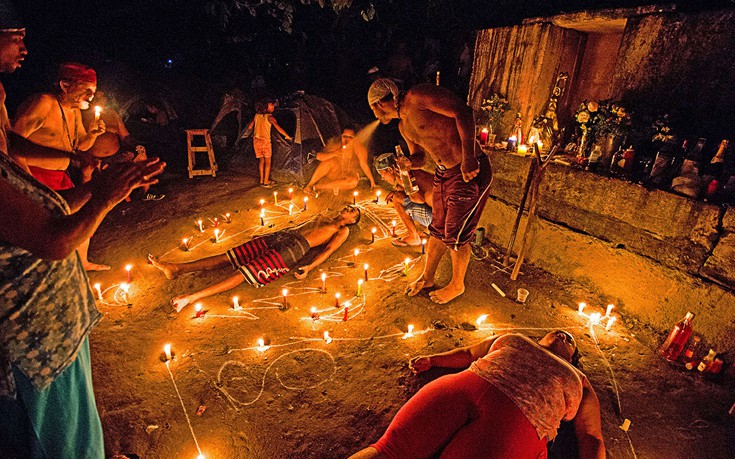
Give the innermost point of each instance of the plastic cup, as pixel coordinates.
(522, 295)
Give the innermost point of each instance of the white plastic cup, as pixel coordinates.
(522, 295)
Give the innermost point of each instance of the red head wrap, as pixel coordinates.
(77, 73)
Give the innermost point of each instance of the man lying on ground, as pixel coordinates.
(508, 403)
(410, 207)
(266, 258)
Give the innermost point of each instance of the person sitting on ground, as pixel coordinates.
(266, 258)
(509, 402)
(337, 169)
(410, 207)
(261, 128)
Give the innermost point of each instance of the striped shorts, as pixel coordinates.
(264, 259)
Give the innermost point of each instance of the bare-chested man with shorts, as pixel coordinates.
(337, 169)
(266, 258)
(435, 121)
(54, 120)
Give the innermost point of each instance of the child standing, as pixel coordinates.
(261, 126)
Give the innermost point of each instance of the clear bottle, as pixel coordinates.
(677, 339)
(594, 158)
(408, 181)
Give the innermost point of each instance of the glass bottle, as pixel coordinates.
(707, 360)
(594, 158)
(689, 360)
(408, 181)
(677, 339)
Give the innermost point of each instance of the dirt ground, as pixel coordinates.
(304, 398)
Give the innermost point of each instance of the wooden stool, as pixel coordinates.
(190, 134)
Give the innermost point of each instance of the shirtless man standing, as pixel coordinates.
(266, 258)
(337, 169)
(54, 120)
(435, 121)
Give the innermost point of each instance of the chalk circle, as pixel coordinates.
(243, 384)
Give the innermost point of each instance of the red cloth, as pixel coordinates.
(459, 204)
(56, 180)
(76, 72)
(461, 416)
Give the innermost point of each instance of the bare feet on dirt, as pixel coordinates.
(166, 268)
(446, 294)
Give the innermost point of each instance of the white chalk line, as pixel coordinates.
(183, 407)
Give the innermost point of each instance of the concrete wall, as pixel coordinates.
(655, 254)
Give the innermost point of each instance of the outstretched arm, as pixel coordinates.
(587, 425)
(333, 244)
(275, 124)
(461, 357)
(362, 157)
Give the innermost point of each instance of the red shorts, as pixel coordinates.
(262, 147)
(461, 416)
(458, 204)
(56, 180)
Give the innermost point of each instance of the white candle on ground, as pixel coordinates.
(98, 288)
(327, 338)
(167, 351)
(581, 308)
(261, 345)
(409, 334)
(609, 310)
(201, 228)
(595, 318)
(236, 303)
(480, 320)
(610, 323)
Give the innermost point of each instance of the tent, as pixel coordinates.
(311, 119)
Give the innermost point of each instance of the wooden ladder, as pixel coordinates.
(190, 135)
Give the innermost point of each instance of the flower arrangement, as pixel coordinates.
(611, 120)
(494, 107)
(586, 114)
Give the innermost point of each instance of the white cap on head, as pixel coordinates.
(380, 89)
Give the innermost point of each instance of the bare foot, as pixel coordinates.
(167, 268)
(416, 286)
(179, 302)
(446, 294)
(407, 241)
(89, 266)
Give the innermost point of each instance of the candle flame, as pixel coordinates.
(97, 286)
(327, 338)
(284, 291)
(167, 351)
(261, 345)
(97, 109)
(480, 320)
(360, 281)
(365, 266)
(313, 309)
(324, 276)
(128, 267)
(198, 307)
(374, 230)
(337, 295)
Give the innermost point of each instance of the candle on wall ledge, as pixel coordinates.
(215, 222)
(365, 267)
(609, 310)
(125, 288)
(275, 198)
(167, 351)
(216, 235)
(98, 289)
(284, 292)
(324, 282)
(290, 208)
(581, 308)
(359, 286)
(356, 253)
(228, 217)
(186, 241)
(346, 314)
(262, 218)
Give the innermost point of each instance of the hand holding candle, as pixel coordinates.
(97, 112)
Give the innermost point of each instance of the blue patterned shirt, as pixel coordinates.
(46, 306)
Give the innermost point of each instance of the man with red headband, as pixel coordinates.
(55, 120)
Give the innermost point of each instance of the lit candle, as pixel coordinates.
(393, 224)
(356, 252)
(261, 345)
(314, 314)
(324, 282)
(97, 111)
(228, 217)
(359, 286)
(127, 271)
(236, 303)
(354, 198)
(346, 314)
(405, 266)
(423, 246)
(305, 201)
(336, 300)
(275, 198)
(290, 193)
(409, 334)
(522, 150)
(290, 208)
(595, 318)
(284, 292)
(198, 310)
(327, 338)
(186, 242)
(262, 217)
(216, 235)
(262, 203)
(215, 222)
(609, 310)
(98, 288)
(480, 320)
(377, 197)
(365, 267)
(581, 308)
(167, 351)
(610, 323)
(484, 134)
(373, 231)
(201, 228)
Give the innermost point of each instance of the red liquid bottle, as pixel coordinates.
(677, 339)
